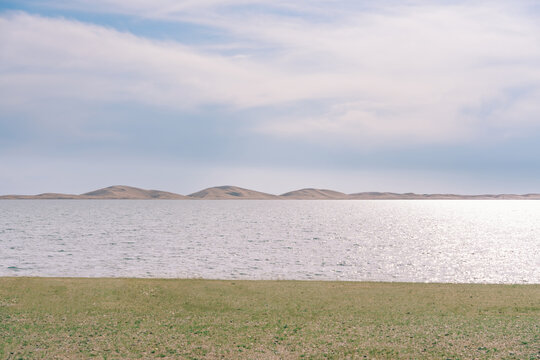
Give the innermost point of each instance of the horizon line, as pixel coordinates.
(227, 192)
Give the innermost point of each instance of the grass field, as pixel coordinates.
(192, 319)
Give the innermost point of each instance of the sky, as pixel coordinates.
(178, 95)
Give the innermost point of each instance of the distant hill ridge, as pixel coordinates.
(129, 192)
(229, 192)
(314, 194)
(111, 192)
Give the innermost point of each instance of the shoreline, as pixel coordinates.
(427, 198)
(266, 280)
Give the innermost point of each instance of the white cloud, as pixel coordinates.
(56, 58)
(414, 73)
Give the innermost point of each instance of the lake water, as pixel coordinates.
(435, 241)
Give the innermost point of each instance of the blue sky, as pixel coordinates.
(423, 96)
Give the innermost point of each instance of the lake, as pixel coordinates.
(457, 241)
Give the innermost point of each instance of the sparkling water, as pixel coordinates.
(463, 241)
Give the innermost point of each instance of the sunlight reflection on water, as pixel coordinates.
(465, 241)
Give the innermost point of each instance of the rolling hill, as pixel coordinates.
(128, 192)
(231, 192)
(237, 193)
(314, 194)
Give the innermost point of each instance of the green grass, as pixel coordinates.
(192, 319)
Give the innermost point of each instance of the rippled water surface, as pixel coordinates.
(436, 241)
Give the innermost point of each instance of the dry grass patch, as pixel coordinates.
(194, 319)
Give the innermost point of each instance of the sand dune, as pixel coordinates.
(238, 193)
(231, 192)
